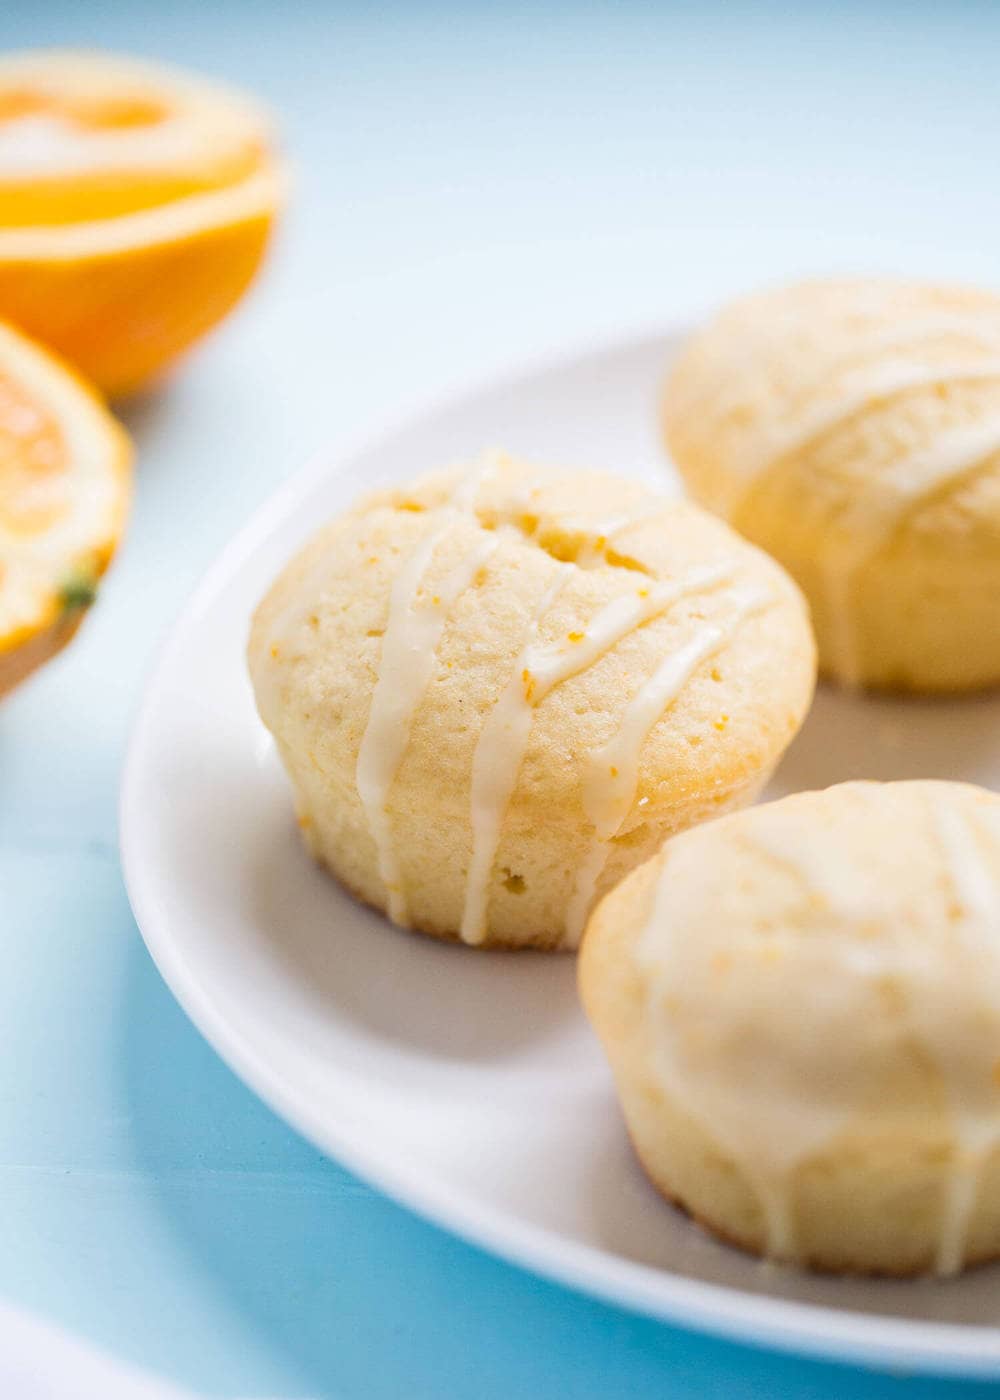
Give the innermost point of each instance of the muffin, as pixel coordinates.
(497, 690)
(852, 429)
(807, 1050)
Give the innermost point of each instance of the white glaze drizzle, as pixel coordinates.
(975, 886)
(537, 670)
(602, 532)
(983, 330)
(524, 496)
(614, 769)
(901, 487)
(585, 882)
(598, 533)
(612, 776)
(882, 380)
(504, 736)
(775, 1129)
(875, 516)
(409, 645)
(766, 1150)
(977, 1133)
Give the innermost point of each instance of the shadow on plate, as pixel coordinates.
(436, 999)
(888, 738)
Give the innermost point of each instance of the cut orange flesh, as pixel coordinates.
(135, 206)
(64, 487)
(32, 462)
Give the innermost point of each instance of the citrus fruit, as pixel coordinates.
(64, 488)
(135, 207)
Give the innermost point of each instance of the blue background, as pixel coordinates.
(474, 184)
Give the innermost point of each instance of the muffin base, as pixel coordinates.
(452, 936)
(809, 1265)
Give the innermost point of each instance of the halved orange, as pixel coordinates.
(135, 207)
(64, 489)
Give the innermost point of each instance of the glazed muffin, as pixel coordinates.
(807, 1051)
(852, 429)
(497, 690)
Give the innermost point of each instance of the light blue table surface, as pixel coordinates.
(474, 184)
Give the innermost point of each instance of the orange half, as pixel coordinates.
(64, 489)
(135, 207)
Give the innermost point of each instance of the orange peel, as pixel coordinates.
(136, 205)
(65, 476)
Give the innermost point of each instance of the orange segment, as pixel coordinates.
(135, 207)
(64, 486)
(32, 462)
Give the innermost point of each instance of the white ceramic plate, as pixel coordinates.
(467, 1084)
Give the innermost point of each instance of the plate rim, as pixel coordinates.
(805, 1329)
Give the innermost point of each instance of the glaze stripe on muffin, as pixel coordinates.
(505, 733)
(412, 633)
(536, 672)
(859, 390)
(614, 769)
(413, 630)
(436, 669)
(947, 1006)
(599, 534)
(613, 772)
(983, 332)
(807, 415)
(874, 516)
(977, 893)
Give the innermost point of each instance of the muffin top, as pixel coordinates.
(872, 405)
(502, 639)
(845, 971)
